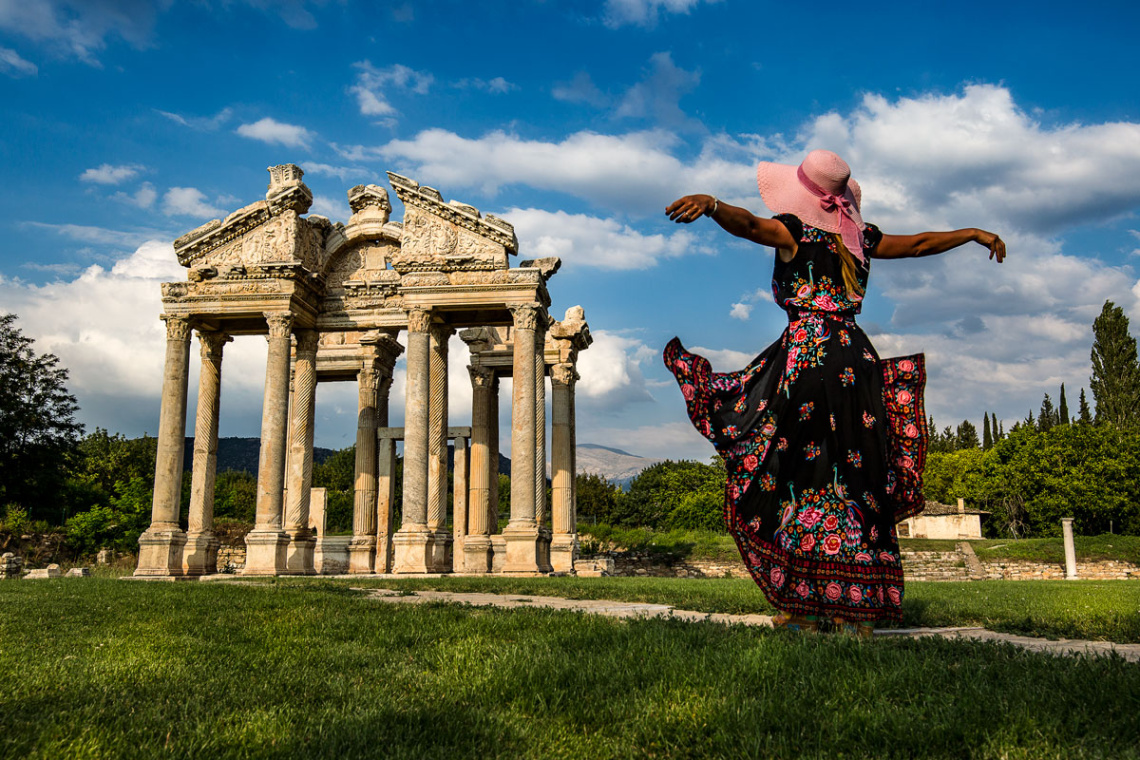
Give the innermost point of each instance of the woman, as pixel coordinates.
(823, 442)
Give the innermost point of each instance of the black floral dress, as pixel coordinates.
(823, 441)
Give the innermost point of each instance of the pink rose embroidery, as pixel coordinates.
(679, 364)
(832, 544)
(903, 397)
(855, 594)
(688, 391)
(886, 557)
(777, 576)
(906, 365)
(894, 595)
(830, 523)
(807, 543)
(823, 301)
(911, 430)
(803, 590)
(833, 592)
(768, 429)
(800, 335)
(906, 462)
(750, 462)
(862, 557)
(793, 353)
(809, 517)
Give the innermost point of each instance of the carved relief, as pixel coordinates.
(526, 316)
(212, 342)
(419, 320)
(481, 377)
(280, 323)
(363, 263)
(306, 342)
(177, 328)
(563, 374)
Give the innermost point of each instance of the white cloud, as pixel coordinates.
(724, 359)
(13, 65)
(189, 201)
(643, 12)
(741, 311)
(204, 123)
(79, 29)
(107, 174)
(99, 235)
(343, 173)
(372, 82)
(496, 86)
(277, 133)
(611, 370)
(581, 240)
(672, 440)
(337, 211)
(144, 197)
(581, 89)
(658, 95)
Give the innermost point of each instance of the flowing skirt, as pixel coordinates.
(824, 444)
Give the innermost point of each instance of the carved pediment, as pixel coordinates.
(448, 237)
(366, 261)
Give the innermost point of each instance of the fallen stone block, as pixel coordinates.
(51, 571)
(79, 572)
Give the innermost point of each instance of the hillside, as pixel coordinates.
(617, 466)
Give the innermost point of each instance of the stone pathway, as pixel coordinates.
(1130, 652)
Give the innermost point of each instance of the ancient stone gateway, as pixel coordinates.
(332, 300)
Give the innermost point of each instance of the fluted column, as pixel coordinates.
(411, 544)
(564, 541)
(385, 482)
(362, 548)
(477, 543)
(521, 534)
(200, 557)
(299, 557)
(266, 544)
(437, 449)
(493, 455)
(160, 547)
(540, 423)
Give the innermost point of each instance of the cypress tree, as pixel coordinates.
(967, 436)
(1001, 431)
(1084, 415)
(1063, 409)
(1115, 381)
(987, 436)
(1048, 415)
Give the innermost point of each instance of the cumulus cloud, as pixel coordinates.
(582, 240)
(611, 370)
(372, 84)
(144, 197)
(343, 173)
(75, 29)
(274, 132)
(189, 201)
(12, 64)
(101, 236)
(337, 211)
(740, 311)
(645, 13)
(496, 86)
(107, 174)
(580, 89)
(671, 440)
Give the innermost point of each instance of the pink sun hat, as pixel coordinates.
(819, 191)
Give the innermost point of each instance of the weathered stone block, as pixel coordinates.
(79, 572)
(51, 571)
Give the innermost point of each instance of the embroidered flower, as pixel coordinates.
(863, 557)
(854, 458)
(807, 543)
(804, 291)
(762, 405)
(844, 338)
(680, 364)
(809, 517)
(847, 376)
(803, 590)
(800, 335)
(887, 557)
(806, 410)
(782, 444)
(833, 422)
(777, 576)
(868, 356)
(768, 429)
(750, 462)
(868, 420)
(830, 523)
(906, 365)
(811, 451)
(855, 594)
(911, 430)
(894, 595)
(688, 392)
(767, 482)
(833, 592)
(903, 397)
(874, 534)
(823, 301)
(906, 462)
(832, 544)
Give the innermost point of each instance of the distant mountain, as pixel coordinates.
(617, 466)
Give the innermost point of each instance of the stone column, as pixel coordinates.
(385, 482)
(540, 424)
(412, 543)
(477, 542)
(437, 450)
(160, 547)
(299, 556)
(200, 557)
(493, 456)
(266, 545)
(564, 543)
(362, 547)
(460, 512)
(523, 550)
(1070, 549)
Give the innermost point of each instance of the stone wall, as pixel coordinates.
(1011, 570)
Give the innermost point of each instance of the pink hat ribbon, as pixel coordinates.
(848, 230)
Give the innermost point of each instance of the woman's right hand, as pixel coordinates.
(690, 208)
(994, 243)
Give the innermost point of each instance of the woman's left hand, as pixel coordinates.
(690, 208)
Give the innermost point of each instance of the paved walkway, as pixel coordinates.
(1130, 652)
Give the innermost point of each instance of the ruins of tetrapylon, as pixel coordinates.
(333, 299)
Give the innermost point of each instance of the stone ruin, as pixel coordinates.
(332, 300)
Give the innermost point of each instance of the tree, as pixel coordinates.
(1047, 417)
(967, 436)
(1085, 414)
(987, 436)
(1115, 381)
(1063, 417)
(597, 498)
(38, 430)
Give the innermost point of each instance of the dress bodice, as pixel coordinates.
(813, 280)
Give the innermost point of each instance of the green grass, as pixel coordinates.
(927, 545)
(108, 669)
(1052, 550)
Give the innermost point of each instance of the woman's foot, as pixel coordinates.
(802, 623)
(863, 629)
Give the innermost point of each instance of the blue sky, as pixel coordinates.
(128, 123)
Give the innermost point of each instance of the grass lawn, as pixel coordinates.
(1089, 549)
(102, 669)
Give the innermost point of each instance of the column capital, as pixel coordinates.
(368, 377)
(280, 323)
(177, 328)
(212, 342)
(481, 377)
(563, 374)
(527, 316)
(442, 332)
(419, 320)
(307, 342)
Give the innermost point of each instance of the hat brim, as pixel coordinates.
(782, 192)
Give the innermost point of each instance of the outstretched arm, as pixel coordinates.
(735, 220)
(930, 243)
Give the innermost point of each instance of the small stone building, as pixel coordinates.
(944, 521)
